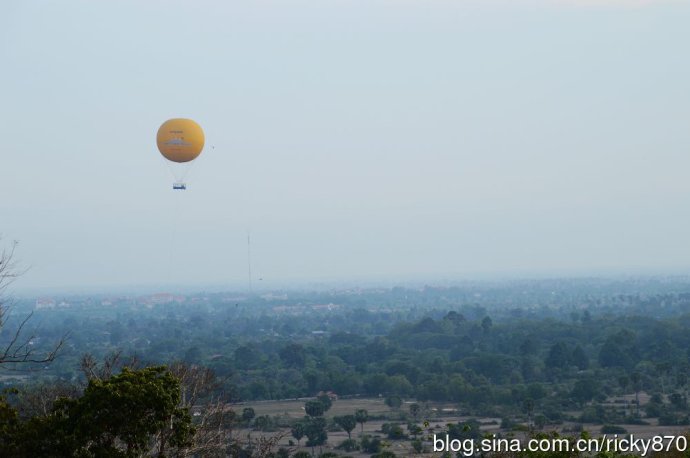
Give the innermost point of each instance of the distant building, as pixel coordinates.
(326, 307)
(274, 297)
(45, 303)
(333, 396)
(162, 298)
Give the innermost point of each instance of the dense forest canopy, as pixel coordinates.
(416, 342)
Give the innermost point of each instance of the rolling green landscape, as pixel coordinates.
(506, 358)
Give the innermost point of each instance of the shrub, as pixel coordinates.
(371, 444)
(670, 419)
(348, 445)
(384, 454)
(393, 431)
(301, 454)
(507, 423)
(613, 429)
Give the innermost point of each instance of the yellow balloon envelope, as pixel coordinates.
(180, 140)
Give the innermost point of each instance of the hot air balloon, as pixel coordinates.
(180, 141)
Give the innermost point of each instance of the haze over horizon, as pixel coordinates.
(353, 140)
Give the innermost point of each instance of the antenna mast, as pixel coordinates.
(249, 260)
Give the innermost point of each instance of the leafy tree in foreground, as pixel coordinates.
(298, 431)
(122, 416)
(326, 400)
(361, 415)
(315, 430)
(394, 402)
(414, 410)
(348, 423)
(314, 408)
(248, 415)
(9, 427)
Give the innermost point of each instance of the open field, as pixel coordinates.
(295, 408)
(14, 378)
(439, 415)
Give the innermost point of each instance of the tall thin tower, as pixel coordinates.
(249, 260)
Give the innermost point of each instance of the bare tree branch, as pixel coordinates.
(112, 364)
(19, 348)
(9, 269)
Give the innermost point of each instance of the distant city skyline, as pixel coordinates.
(357, 141)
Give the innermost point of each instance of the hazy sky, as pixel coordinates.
(353, 139)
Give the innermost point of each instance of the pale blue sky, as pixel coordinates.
(354, 139)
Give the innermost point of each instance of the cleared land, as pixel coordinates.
(438, 415)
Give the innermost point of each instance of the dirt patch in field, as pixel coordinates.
(295, 408)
